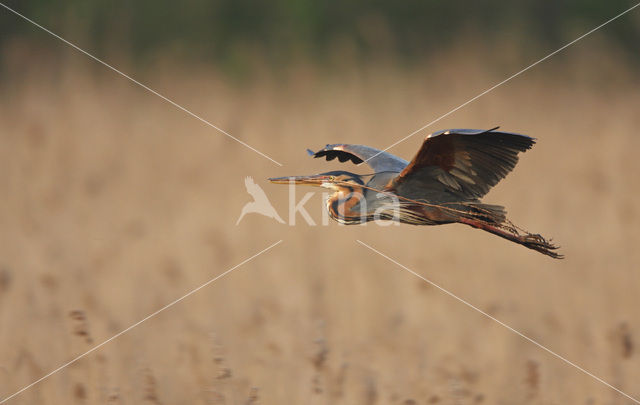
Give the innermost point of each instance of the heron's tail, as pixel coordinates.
(507, 231)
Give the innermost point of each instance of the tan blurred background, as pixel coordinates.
(115, 203)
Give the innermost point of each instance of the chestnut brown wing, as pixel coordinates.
(460, 163)
(378, 160)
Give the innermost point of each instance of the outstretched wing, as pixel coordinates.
(461, 162)
(378, 160)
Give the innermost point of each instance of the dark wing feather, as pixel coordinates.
(460, 163)
(378, 160)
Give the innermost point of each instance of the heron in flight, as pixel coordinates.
(442, 184)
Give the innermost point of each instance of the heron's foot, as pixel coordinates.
(535, 238)
(539, 243)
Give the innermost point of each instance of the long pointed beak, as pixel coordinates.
(312, 180)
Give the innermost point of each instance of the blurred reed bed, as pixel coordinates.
(116, 203)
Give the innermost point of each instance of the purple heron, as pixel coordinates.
(442, 184)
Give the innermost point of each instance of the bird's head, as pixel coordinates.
(336, 180)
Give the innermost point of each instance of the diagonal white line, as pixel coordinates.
(140, 84)
(499, 322)
(138, 323)
(503, 82)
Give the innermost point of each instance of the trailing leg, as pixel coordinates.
(529, 240)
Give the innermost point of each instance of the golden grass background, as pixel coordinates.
(115, 203)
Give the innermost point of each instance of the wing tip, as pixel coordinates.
(331, 152)
(526, 141)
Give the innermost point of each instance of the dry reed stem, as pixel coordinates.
(218, 351)
(253, 397)
(81, 325)
(150, 387)
(623, 341)
(532, 378)
(371, 391)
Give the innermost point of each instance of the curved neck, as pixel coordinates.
(340, 204)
